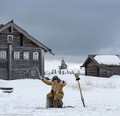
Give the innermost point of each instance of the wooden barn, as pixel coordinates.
(102, 65)
(20, 53)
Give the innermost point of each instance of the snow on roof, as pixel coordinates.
(107, 59)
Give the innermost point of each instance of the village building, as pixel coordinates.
(102, 65)
(20, 53)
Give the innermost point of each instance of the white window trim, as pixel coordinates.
(35, 55)
(26, 55)
(16, 55)
(3, 54)
(10, 38)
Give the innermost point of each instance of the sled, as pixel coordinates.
(6, 89)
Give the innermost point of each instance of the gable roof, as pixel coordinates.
(19, 29)
(103, 60)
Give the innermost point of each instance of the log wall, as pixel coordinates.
(92, 69)
(21, 68)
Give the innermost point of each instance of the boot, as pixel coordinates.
(49, 103)
(57, 103)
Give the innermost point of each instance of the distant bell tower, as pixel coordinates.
(63, 65)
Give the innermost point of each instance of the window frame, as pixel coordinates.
(10, 38)
(26, 55)
(16, 56)
(3, 54)
(35, 55)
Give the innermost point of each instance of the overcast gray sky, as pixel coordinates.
(71, 28)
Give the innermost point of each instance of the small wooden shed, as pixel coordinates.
(102, 65)
(20, 53)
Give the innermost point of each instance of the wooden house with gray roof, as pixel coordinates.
(102, 65)
(20, 53)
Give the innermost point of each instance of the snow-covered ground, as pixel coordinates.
(101, 95)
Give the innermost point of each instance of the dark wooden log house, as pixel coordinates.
(102, 65)
(20, 53)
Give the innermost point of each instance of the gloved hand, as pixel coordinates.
(77, 76)
(62, 82)
(52, 91)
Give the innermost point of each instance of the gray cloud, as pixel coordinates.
(71, 28)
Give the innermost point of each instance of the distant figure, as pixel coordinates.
(54, 98)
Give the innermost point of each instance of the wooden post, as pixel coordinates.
(77, 79)
(9, 61)
(42, 62)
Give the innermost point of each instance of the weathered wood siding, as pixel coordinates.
(20, 68)
(103, 72)
(117, 70)
(3, 69)
(92, 69)
(108, 71)
(18, 40)
(4, 64)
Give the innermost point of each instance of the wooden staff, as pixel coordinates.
(77, 79)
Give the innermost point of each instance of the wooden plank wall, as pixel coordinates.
(92, 69)
(20, 68)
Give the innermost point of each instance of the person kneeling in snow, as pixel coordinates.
(54, 98)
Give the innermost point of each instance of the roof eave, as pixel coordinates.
(92, 58)
(32, 39)
(11, 23)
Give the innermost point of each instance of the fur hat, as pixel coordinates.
(56, 78)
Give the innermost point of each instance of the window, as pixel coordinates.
(33, 73)
(2, 54)
(10, 38)
(35, 55)
(26, 55)
(16, 55)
